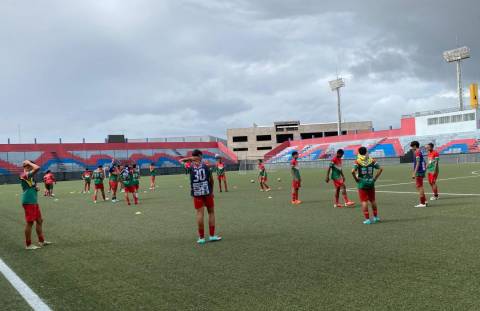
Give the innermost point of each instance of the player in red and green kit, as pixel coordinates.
(98, 177)
(419, 172)
(186, 166)
(221, 173)
(87, 179)
(113, 180)
(296, 178)
(128, 183)
(432, 169)
(153, 173)
(363, 173)
(263, 176)
(136, 178)
(49, 180)
(335, 173)
(30, 205)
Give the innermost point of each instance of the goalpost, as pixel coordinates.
(242, 165)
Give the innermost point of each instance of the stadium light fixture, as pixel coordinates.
(456, 56)
(335, 85)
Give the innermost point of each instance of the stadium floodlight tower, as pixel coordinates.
(456, 56)
(335, 85)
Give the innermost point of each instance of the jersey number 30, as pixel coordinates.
(200, 175)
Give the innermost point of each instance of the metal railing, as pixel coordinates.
(188, 139)
(460, 158)
(434, 112)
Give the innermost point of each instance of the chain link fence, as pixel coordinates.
(323, 164)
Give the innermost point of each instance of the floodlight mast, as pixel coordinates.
(459, 84)
(457, 55)
(335, 85)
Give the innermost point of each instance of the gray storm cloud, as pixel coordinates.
(77, 69)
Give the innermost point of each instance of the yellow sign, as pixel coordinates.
(474, 95)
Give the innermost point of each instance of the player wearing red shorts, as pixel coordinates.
(296, 178)
(220, 170)
(335, 173)
(136, 178)
(432, 169)
(362, 172)
(48, 181)
(113, 181)
(30, 205)
(98, 177)
(201, 183)
(262, 176)
(127, 180)
(87, 179)
(419, 172)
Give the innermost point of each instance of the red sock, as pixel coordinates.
(201, 233)
(435, 192)
(366, 214)
(128, 200)
(211, 230)
(423, 199)
(28, 242)
(41, 239)
(375, 212)
(337, 197)
(345, 198)
(293, 196)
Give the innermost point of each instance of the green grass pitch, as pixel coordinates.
(273, 256)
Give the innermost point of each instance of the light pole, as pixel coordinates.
(456, 56)
(335, 85)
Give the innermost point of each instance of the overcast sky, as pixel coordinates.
(157, 68)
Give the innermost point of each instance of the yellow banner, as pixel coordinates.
(474, 95)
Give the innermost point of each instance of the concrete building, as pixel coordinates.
(178, 139)
(253, 142)
(446, 121)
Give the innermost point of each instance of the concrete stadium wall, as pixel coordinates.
(425, 129)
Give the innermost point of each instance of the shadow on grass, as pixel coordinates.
(449, 198)
(399, 220)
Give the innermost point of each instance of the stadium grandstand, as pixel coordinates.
(75, 157)
(453, 131)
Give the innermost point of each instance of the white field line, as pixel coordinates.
(475, 173)
(30, 297)
(441, 179)
(441, 193)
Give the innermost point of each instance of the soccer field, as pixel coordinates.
(273, 256)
